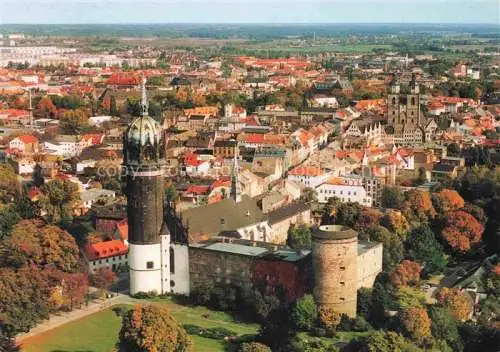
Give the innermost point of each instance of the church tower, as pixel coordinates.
(149, 240)
(235, 193)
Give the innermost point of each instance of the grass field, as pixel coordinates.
(99, 332)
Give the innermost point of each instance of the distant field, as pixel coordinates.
(99, 332)
(286, 46)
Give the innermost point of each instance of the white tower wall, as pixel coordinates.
(142, 278)
(180, 275)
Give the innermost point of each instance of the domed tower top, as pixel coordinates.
(144, 143)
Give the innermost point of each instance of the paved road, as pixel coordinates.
(66, 317)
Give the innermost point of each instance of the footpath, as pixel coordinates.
(66, 317)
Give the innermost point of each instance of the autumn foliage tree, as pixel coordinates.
(406, 273)
(74, 121)
(417, 324)
(369, 218)
(152, 329)
(395, 222)
(461, 231)
(103, 278)
(329, 317)
(418, 205)
(46, 108)
(458, 303)
(448, 200)
(254, 347)
(32, 242)
(23, 300)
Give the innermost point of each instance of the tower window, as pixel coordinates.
(149, 265)
(393, 100)
(172, 261)
(413, 101)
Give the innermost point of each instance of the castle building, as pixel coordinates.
(228, 240)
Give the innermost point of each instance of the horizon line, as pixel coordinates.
(497, 24)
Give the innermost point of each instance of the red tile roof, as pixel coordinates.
(307, 171)
(106, 249)
(198, 190)
(26, 138)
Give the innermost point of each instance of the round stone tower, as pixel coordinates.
(335, 256)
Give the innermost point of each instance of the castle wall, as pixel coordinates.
(369, 264)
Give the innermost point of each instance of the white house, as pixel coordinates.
(321, 100)
(90, 196)
(112, 254)
(98, 120)
(65, 145)
(25, 144)
(309, 176)
(346, 189)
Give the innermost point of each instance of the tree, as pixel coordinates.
(418, 205)
(406, 273)
(393, 249)
(113, 109)
(46, 108)
(386, 341)
(329, 317)
(254, 347)
(417, 324)
(299, 237)
(447, 201)
(74, 289)
(423, 247)
(395, 222)
(364, 302)
(103, 278)
(392, 197)
(24, 299)
(368, 219)
(309, 195)
(305, 313)
(478, 337)
(8, 218)
(58, 199)
(7, 344)
(407, 297)
(32, 242)
(153, 329)
(348, 214)
(74, 121)
(459, 304)
(445, 328)
(9, 183)
(461, 231)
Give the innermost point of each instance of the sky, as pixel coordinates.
(250, 11)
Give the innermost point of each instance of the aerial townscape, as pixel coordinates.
(250, 187)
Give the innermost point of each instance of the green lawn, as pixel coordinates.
(99, 332)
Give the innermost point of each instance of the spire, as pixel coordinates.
(235, 193)
(30, 109)
(144, 97)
